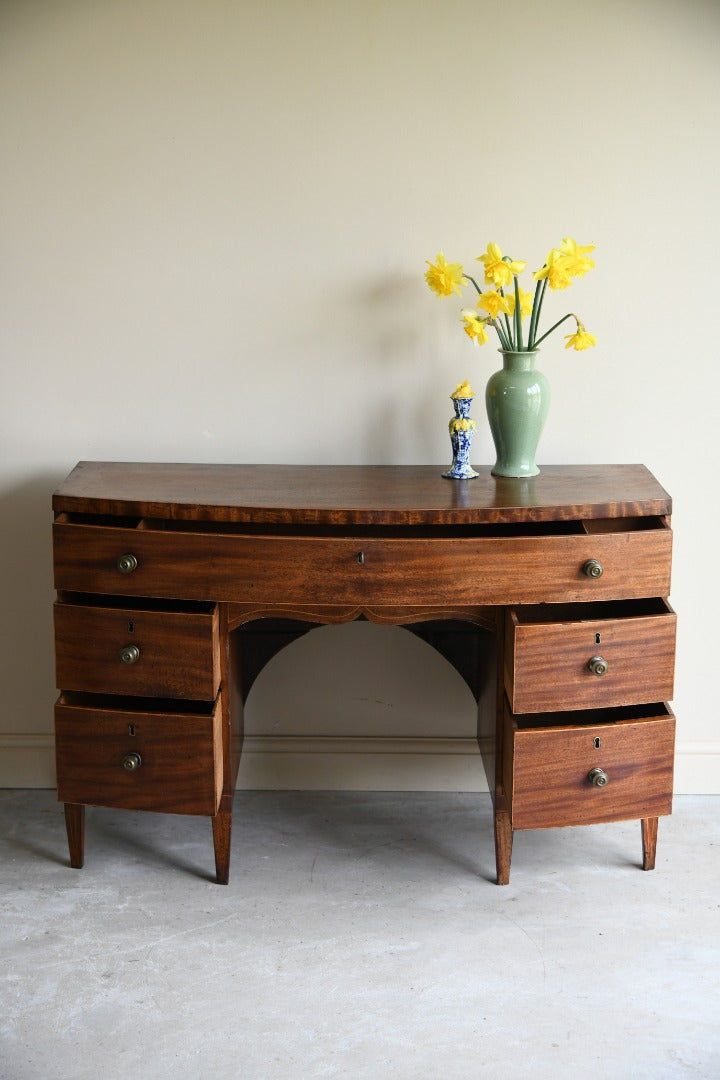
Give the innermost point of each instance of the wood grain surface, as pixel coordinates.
(181, 770)
(546, 771)
(412, 571)
(178, 651)
(348, 494)
(639, 652)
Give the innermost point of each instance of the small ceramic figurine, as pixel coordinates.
(462, 430)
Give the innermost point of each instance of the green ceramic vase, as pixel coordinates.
(517, 399)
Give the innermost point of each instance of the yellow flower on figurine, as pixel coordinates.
(444, 278)
(581, 339)
(474, 326)
(464, 390)
(499, 271)
(493, 303)
(526, 303)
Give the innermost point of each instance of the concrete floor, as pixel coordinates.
(360, 937)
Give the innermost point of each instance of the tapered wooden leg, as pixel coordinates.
(649, 828)
(75, 825)
(503, 846)
(222, 828)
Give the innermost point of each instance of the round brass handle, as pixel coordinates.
(593, 568)
(131, 762)
(598, 665)
(598, 777)
(126, 564)
(130, 654)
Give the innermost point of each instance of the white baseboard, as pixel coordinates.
(350, 764)
(362, 764)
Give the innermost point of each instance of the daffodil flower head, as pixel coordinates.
(493, 303)
(474, 326)
(573, 257)
(499, 270)
(581, 339)
(444, 278)
(555, 270)
(526, 303)
(570, 247)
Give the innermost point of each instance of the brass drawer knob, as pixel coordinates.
(598, 777)
(593, 568)
(126, 564)
(598, 665)
(130, 654)
(131, 762)
(361, 557)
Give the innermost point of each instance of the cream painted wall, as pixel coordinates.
(215, 218)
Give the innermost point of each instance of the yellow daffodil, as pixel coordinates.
(498, 271)
(444, 278)
(575, 257)
(494, 303)
(504, 305)
(580, 339)
(474, 326)
(526, 303)
(570, 247)
(577, 265)
(462, 424)
(555, 270)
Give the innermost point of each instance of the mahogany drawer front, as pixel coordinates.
(591, 659)
(414, 570)
(180, 755)
(173, 654)
(547, 770)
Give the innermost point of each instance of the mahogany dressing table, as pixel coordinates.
(177, 583)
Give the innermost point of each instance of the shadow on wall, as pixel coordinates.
(27, 678)
(396, 352)
(403, 350)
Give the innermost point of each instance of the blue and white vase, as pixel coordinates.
(462, 430)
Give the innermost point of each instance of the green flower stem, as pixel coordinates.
(537, 304)
(540, 304)
(518, 318)
(509, 331)
(505, 342)
(507, 325)
(558, 323)
(469, 278)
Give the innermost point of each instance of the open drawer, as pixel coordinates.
(589, 656)
(498, 564)
(139, 755)
(609, 765)
(139, 647)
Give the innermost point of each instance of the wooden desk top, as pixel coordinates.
(341, 495)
